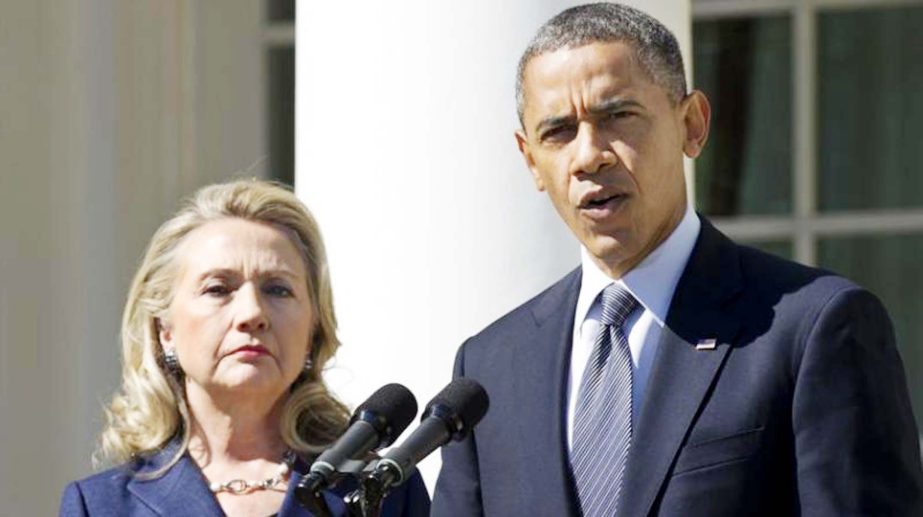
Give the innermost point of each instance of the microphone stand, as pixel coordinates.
(374, 485)
(316, 504)
(360, 504)
(311, 496)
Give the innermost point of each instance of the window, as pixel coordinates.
(815, 150)
(279, 44)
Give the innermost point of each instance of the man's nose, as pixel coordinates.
(249, 313)
(593, 153)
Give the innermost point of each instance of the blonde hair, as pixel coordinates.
(150, 408)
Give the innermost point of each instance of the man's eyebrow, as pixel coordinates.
(552, 121)
(607, 106)
(611, 105)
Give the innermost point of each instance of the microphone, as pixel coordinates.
(375, 424)
(449, 416)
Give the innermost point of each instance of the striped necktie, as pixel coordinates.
(602, 418)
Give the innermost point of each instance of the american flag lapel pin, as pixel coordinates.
(706, 344)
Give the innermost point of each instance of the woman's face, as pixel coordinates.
(241, 319)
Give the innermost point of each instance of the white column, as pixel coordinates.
(405, 153)
(110, 113)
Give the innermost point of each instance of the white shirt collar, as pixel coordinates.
(653, 281)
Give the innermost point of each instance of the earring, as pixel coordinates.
(171, 363)
(304, 375)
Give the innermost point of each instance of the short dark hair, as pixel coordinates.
(654, 45)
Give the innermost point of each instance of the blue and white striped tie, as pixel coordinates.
(602, 418)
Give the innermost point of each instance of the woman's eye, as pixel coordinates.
(278, 290)
(216, 290)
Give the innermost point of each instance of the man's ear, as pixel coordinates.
(523, 143)
(697, 120)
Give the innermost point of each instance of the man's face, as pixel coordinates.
(607, 145)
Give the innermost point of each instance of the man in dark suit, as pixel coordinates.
(674, 372)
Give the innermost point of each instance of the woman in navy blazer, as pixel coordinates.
(182, 490)
(228, 325)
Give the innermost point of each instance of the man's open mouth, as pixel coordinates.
(602, 201)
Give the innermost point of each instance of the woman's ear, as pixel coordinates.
(164, 334)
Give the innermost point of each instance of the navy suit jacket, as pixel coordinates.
(801, 408)
(183, 491)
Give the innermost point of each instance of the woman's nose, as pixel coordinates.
(250, 315)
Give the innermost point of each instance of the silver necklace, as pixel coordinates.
(244, 486)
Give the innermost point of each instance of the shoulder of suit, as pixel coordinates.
(105, 487)
(118, 477)
(796, 296)
(524, 314)
(765, 271)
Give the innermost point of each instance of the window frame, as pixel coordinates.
(805, 226)
(276, 35)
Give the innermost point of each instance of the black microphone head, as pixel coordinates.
(462, 404)
(390, 410)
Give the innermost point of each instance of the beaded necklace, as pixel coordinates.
(244, 486)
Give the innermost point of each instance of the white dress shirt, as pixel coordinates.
(652, 282)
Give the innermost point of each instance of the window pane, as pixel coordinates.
(890, 267)
(781, 248)
(280, 10)
(281, 114)
(870, 111)
(744, 67)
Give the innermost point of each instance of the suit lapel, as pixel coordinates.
(540, 362)
(180, 491)
(682, 374)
